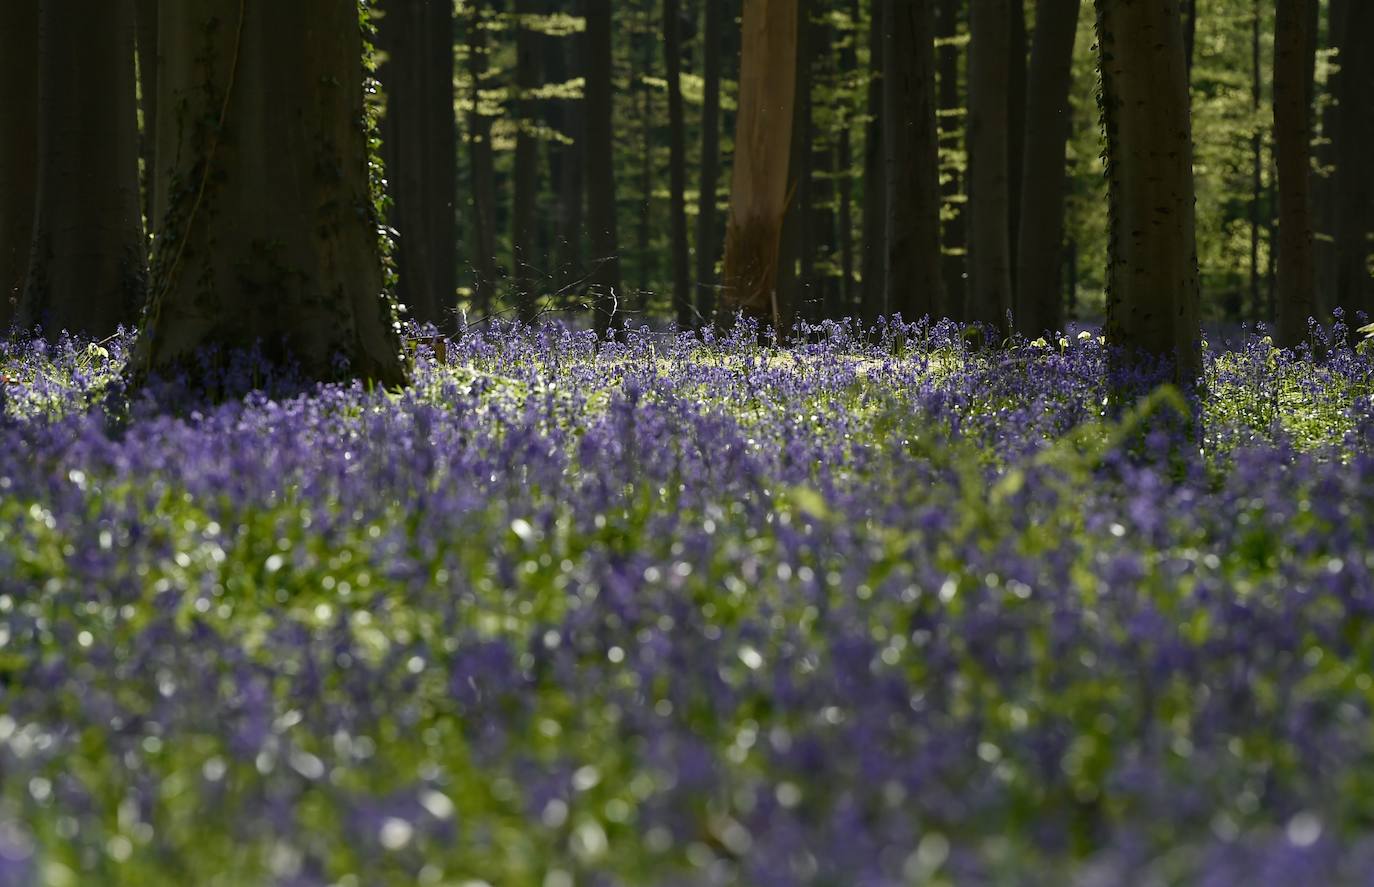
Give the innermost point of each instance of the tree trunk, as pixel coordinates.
(146, 11)
(763, 136)
(269, 235)
(989, 250)
(482, 167)
(420, 147)
(86, 270)
(1325, 193)
(608, 303)
(1152, 302)
(18, 150)
(914, 285)
(1016, 130)
(1039, 304)
(707, 243)
(527, 265)
(953, 163)
(873, 273)
(677, 165)
(1354, 288)
(1256, 166)
(795, 267)
(1293, 47)
(565, 168)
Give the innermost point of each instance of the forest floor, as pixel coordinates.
(862, 612)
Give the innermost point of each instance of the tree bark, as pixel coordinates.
(989, 250)
(565, 168)
(18, 150)
(146, 11)
(1040, 250)
(526, 263)
(482, 167)
(1016, 129)
(873, 272)
(86, 271)
(1293, 47)
(953, 162)
(1354, 288)
(1152, 302)
(608, 303)
(420, 147)
(763, 135)
(844, 178)
(707, 243)
(1256, 167)
(677, 165)
(914, 284)
(795, 266)
(270, 235)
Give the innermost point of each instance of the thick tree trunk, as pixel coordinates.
(527, 264)
(148, 63)
(989, 250)
(795, 266)
(18, 150)
(763, 136)
(1040, 250)
(420, 147)
(953, 162)
(1354, 288)
(270, 234)
(707, 242)
(482, 167)
(1293, 48)
(872, 271)
(677, 165)
(914, 285)
(1152, 303)
(599, 139)
(86, 270)
(1016, 129)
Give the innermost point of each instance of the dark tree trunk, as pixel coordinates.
(271, 235)
(989, 250)
(565, 168)
(763, 136)
(526, 263)
(86, 271)
(1039, 304)
(796, 262)
(1152, 300)
(1256, 167)
(953, 132)
(482, 168)
(1016, 130)
(707, 237)
(1293, 50)
(843, 164)
(914, 285)
(677, 165)
(18, 150)
(146, 11)
(873, 273)
(599, 139)
(420, 148)
(1353, 287)
(644, 238)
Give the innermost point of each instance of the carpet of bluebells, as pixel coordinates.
(877, 609)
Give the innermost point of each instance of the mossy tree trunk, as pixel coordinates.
(267, 229)
(763, 137)
(86, 270)
(1152, 274)
(18, 150)
(989, 85)
(1293, 48)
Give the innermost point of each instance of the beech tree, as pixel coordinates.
(420, 147)
(1293, 47)
(18, 150)
(526, 263)
(707, 244)
(146, 12)
(602, 230)
(481, 163)
(763, 137)
(1354, 187)
(86, 271)
(267, 230)
(989, 247)
(874, 255)
(677, 174)
(1152, 300)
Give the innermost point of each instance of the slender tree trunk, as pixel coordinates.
(1324, 192)
(1354, 288)
(1016, 129)
(482, 167)
(86, 271)
(677, 164)
(1256, 165)
(1041, 230)
(914, 282)
(18, 150)
(1152, 303)
(420, 147)
(873, 272)
(954, 161)
(146, 11)
(527, 264)
(270, 234)
(795, 266)
(1293, 47)
(599, 140)
(565, 168)
(990, 253)
(820, 221)
(646, 263)
(763, 137)
(707, 243)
